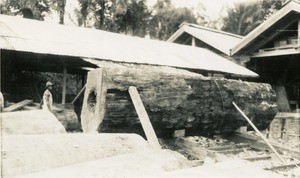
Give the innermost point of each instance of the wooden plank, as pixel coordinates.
(29, 108)
(17, 106)
(255, 142)
(226, 147)
(229, 151)
(93, 108)
(64, 85)
(281, 52)
(258, 132)
(298, 32)
(256, 158)
(79, 94)
(285, 166)
(144, 118)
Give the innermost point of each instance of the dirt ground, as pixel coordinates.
(42, 150)
(109, 155)
(144, 162)
(24, 154)
(150, 163)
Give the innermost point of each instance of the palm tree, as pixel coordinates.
(244, 17)
(61, 10)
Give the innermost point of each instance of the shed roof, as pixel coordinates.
(220, 40)
(40, 37)
(267, 30)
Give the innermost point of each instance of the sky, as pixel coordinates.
(213, 7)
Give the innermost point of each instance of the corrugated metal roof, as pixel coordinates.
(220, 40)
(41, 37)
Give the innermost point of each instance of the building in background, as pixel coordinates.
(272, 50)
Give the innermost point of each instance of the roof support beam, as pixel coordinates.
(193, 41)
(64, 85)
(298, 32)
(291, 51)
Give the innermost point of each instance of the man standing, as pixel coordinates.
(47, 97)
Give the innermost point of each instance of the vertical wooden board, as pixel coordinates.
(298, 31)
(93, 108)
(144, 118)
(64, 85)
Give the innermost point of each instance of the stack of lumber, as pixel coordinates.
(177, 99)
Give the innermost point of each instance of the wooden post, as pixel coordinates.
(93, 108)
(83, 80)
(299, 33)
(258, 132)
(144, 118)
(193, 42)
(64, 85)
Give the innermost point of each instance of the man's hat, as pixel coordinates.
(48, 84)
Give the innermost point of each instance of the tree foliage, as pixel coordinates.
(123, 16)
(60, 5)
(33, 9)
(131, 17)
(134, 17)
(167, 19)
(244, 17)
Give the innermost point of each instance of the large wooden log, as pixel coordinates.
(178, 99)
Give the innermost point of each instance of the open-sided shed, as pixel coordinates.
(40, 46)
